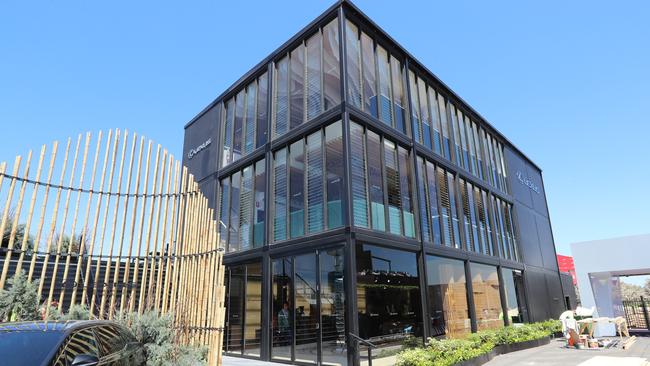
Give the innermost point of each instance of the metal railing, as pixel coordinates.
(367, 343)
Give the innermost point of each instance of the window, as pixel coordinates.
(246, 208)
(244, 309)
(376, 182)
(241, 208)
(238, 126)
(82, 342)
(281, 97)
(262, 114)
(447, 194)
(110, 339)
(435, 120)
(513, 287)
(315, 192)
(308, 80)
(424, 113)
(235, 196)
(392, 188)
(245, 121)
(424, 206)
(314, 176)
(296, 189)
(258, 209)
(415, 109)
(227, 135)
(375, 82)
(331, 65)
(385, 103)
(280, 195)
(447, 292)
(369, 77)
(250, 119)
(432, 193)
(472, 241)
(314, 88)
(353, 63)
(444, 123)
(458, 153)
(224, 212)
(399, 97)
(388, 294)
(390, 183)
(487, 297)
(296, 87)
(282, 292)
(358, 175)
(334, 167)
(253, 310)
(406, 187)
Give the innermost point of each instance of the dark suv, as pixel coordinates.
(72, 343)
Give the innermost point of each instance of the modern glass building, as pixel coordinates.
(358, 196)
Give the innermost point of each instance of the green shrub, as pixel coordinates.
(156, 333)
(19, 301)
(449, 352)
(77, 312)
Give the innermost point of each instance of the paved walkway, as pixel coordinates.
(556, 354)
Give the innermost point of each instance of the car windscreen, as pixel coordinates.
(20, 348)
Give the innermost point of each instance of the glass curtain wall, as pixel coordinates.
(438, 124)
(513, 286)
(385, 168)
(309, 176)
(245, 121)
(241, 208)
(244, 309)
(308, 308)
(375, 78)
(487, 297)
(307, 80)
(447, 292)
(388, 294)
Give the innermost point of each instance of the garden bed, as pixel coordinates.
(478, 348)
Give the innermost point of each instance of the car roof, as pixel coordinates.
(50, 326)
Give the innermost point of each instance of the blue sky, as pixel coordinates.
(567, 82)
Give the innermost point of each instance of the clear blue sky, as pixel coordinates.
(567, 82)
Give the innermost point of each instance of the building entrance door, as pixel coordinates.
(308, 308)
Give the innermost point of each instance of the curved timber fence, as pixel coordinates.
(114, 222)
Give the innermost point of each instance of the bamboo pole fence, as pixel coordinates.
(114, 222)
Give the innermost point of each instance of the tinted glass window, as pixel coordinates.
(447, 292)
(487, 298)
(388, 294)
(82, 342)
(111, 339)
(334, 165)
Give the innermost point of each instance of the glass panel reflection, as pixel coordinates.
(388, 295)
(306, 309)
(447, 292)
(487, 300)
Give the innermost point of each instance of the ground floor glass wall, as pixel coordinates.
(447, 294)
(308, 308)
(487, 296)
(244, 309)
(388, 295)
(307, 303)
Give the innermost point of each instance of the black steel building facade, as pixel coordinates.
(358, 197)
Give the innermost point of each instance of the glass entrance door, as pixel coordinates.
(308, 308)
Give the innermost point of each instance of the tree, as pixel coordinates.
(19, 302)
(68, 244)
(19, 236)
(156, 332)
(631, 291)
